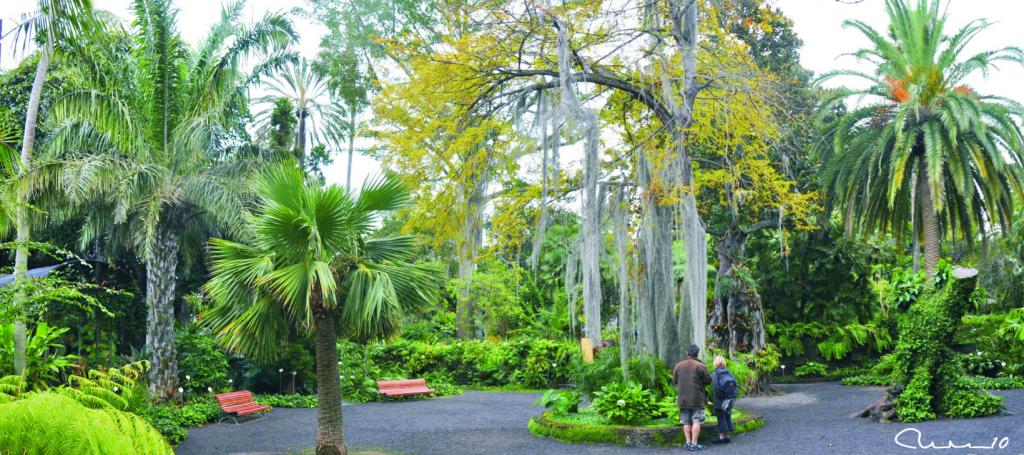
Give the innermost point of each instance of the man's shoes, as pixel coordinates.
(688, 446)
(696, 447)
(721, 441)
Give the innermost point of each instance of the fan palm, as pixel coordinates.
(922, 144)
(308, 264)
(141, 150)
(320, 121)
(55, 22)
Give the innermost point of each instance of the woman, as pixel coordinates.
(724, 394)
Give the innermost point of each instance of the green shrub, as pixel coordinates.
(811, 369)
(625, 403)
(982, 364)
(999, 383)
(53, 423)
(166, 420)
(866, 380)
(287, 401)
(201, 363)
(652, 374)
(560, 401)
(606, 368)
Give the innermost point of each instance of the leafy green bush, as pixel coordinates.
(201, 363)
(45, 359)
(999, 337)
(606, 368)
(287, 401)
(811, 369)
(625, 403)
(50, 422)
(652, 374)
(560, 401)
(166, 420)
(982, 364)
(866, 380)
(1000, 383)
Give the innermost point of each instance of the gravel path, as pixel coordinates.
(810, 418)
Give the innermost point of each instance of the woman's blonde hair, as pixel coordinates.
(719, 361)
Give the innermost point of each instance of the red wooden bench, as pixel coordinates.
(238, 404)
(404, 388)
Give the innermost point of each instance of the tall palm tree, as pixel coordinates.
(55, 22)
(320, 120)
(308, 263)
(141, 150)
(922, 146)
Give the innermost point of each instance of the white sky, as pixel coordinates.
(817, 22)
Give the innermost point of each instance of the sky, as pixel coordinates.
(817, 22)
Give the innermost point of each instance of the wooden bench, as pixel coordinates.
(238, 404)
(404, 388)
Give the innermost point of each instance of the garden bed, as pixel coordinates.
(588, 428)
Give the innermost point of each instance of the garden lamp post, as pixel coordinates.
(280, 383)
(292, 391)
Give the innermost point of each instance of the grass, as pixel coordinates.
(588, 428)
(586, 416)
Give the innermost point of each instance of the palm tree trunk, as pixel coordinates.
(929, 222)
(330, 437)
(351, 146)
(21, 218)
(161, 267)
(300, 140)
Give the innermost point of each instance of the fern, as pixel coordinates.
(53, 423)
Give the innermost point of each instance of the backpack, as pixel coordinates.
(727, 385)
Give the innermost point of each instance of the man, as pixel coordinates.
(691, 377)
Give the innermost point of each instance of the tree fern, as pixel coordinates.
(53, 423)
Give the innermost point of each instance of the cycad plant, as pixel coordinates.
(141, 151)
(918, 146)
(309, 264)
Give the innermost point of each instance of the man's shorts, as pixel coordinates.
(690, 416)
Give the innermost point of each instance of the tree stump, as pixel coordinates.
(927, 373)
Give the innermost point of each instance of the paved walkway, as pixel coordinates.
(809, 419)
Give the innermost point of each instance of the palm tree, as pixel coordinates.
(320, 120)
(923, 148)
(54, 22)
(141, 150)
(309, 264)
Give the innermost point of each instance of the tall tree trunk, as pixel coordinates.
(929, 221)
(592, 240)
(622, 255)
(737, 320)
(693, 304)
(660, 282)
(351, 146)
(330, 435)
(469, 243)
(300, 139)
(161, 268)
(22, 221)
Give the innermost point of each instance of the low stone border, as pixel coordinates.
(546, 426)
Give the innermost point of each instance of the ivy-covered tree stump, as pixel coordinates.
(927, 373)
